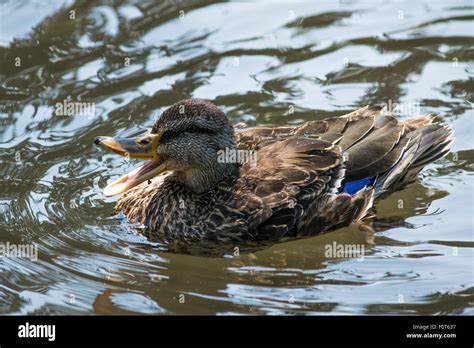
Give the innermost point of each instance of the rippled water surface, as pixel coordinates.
(263, 63)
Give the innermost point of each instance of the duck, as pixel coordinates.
(207, 185)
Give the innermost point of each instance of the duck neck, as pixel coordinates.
(200, 180)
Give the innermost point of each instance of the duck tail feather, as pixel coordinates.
(427, 143)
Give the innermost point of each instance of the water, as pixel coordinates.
(263, 63)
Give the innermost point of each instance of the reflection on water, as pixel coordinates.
(258, 61)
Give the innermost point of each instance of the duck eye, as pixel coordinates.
(144, 141)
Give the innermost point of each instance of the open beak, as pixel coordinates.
(143, 148)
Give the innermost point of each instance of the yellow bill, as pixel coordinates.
(142, 148)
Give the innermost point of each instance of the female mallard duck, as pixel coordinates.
(302, 180)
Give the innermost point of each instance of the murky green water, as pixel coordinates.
(263, 63)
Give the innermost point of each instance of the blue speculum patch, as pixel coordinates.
(352, 187)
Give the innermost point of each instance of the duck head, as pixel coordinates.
(185, 140)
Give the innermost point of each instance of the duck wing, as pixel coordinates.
(294, 182)
(326, 173)
(380, 148)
